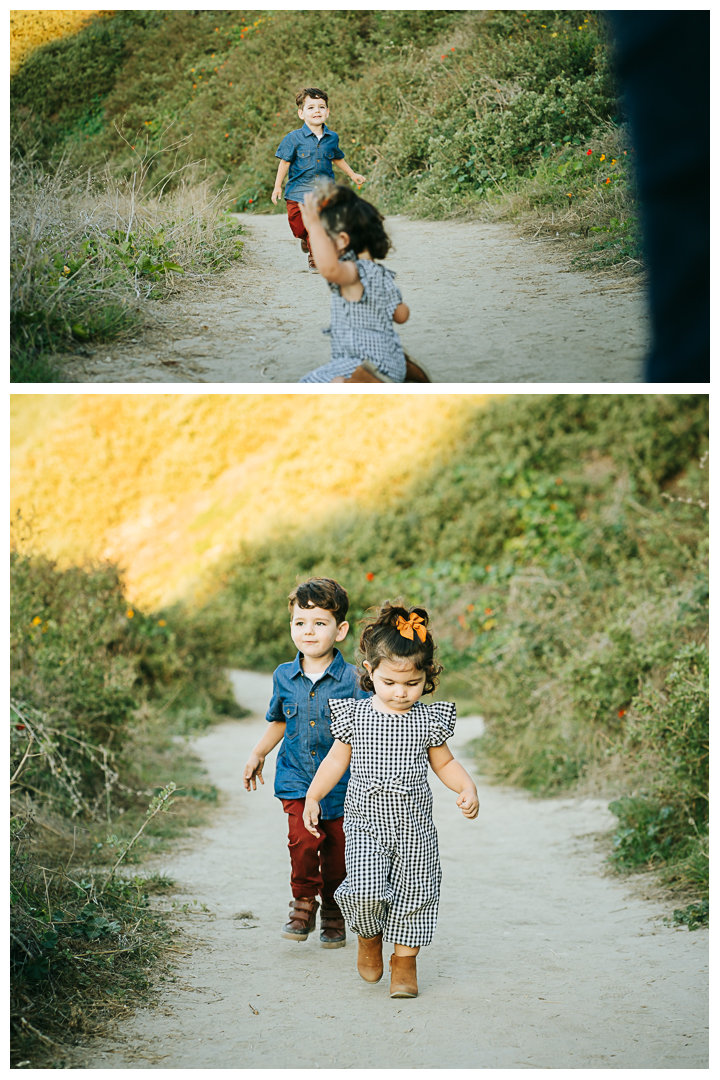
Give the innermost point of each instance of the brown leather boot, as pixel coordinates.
(403, 976)
(415, 372)
(370, 958)
(332, 928)
(367, 372)
(302, 919)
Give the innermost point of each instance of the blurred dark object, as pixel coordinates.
(663, 64)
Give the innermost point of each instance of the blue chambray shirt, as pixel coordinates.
(303, 706)
(309, 159)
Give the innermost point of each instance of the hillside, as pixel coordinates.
(441, 109)
(166, 485)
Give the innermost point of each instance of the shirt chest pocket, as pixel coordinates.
(290, 714)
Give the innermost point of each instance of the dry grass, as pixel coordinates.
(89, 250)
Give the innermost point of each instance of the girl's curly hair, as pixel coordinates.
(381, 640)
(341, 210)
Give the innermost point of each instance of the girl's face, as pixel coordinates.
(398, 685)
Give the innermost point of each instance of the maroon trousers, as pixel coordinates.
(296, 222)
(317, 866)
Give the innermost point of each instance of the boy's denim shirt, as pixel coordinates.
(309, 159)
(303, 706)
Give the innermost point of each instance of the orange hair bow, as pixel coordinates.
(416, 622)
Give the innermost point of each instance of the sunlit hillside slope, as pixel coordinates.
(167, 484)
(31, 29)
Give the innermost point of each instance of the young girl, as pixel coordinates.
(346, 235)
(392, 886)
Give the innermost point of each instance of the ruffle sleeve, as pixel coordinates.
(342, 723)
(443, 715)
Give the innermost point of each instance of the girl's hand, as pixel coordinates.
(467, 800)
(309, 209)
(253, 771)
(277, 192)
(358, 179)
(311, 814)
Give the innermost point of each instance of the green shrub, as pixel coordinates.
(84, 666)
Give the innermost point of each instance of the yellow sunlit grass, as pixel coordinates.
(30, 29)
(167, 484)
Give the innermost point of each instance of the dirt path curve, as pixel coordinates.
(486, 307)
(539, 961)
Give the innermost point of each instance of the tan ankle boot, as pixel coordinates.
(403, 976)
(370, 958)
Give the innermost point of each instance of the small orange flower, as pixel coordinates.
(621, 713)
(488, 569)
(471, 607)
(161, 622)
(589, 151)
(488, 611)
(130, 613)
(370, 576)
(602, 157)
(553, 507)
(558, 480)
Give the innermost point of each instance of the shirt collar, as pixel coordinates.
(306, 131)
(335, 669)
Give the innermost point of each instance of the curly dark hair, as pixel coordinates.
(381, 640)
(341, 210)
(309, 92)
(320, 592)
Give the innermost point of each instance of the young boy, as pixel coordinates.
(299, 715)
(309, 153)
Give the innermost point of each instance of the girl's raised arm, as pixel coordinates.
(452, 774)
(330, 772)
(323, 249)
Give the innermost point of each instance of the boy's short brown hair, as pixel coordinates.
(309, 92)
(320, 592)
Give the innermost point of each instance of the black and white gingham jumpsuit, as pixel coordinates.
(391, 854)
(363, 329)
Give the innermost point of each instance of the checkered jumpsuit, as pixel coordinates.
(391, 852)
(363, 329)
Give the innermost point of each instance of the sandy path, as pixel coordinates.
(539, 961)
(486, 307)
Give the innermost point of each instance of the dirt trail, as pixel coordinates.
(538, 959)
(486, 307)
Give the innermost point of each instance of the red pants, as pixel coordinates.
(318, 866)
(296, 222)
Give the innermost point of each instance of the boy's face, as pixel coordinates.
(314, 111)
(315, 631)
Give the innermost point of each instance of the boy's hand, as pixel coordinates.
(277, 192)
(253, 771)
(311, 814)
(467, 800)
